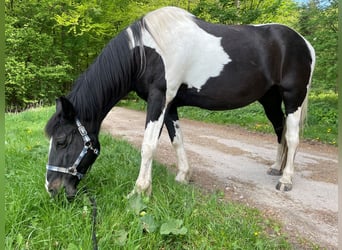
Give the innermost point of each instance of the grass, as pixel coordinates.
(321, 124)
(175, 217)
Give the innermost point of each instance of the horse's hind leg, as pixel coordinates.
(287, 132)
(295, 99)
(176, 137)
(271, 102)
(292, 141)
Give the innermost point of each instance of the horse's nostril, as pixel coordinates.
(52, 192)
(71, 198)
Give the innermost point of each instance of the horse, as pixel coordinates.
(171, 58)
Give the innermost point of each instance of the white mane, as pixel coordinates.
(166, 23)
(190, 54)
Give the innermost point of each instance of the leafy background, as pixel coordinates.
(49, 43)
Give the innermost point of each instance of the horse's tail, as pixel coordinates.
(304, 109)
(306, 100)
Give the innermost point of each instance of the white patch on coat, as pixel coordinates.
(50, 145)
(46, 181)
(277, 164)
(132, 43)
(264, 24)
(313, 56)
(190, 54)
(292, 141)
(150, 142)
(182, 161)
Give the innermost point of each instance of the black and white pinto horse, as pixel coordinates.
(171, 59)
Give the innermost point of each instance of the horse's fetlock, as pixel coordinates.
(286, 179)
(143, 187)
(182, 177)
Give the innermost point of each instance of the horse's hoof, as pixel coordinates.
(274, 172)
(144, 191)
(284, 186)
(131, 194)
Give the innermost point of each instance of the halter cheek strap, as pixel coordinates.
(87, 145)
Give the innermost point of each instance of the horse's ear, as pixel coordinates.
(65, 108)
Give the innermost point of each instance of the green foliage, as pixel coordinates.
(149, 224)
(319, 25)
(49, 43)
(173, 226)
(322, 123)
(34, 221)
(32, 74)
(138, 206)
(246, 11)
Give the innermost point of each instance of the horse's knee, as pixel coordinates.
(147, 151)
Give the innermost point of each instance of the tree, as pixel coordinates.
(49, 43)
(318, 23)
(31, 73)
(247, 11)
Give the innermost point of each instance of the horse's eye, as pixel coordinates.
(61, 142)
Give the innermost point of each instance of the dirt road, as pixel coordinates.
(235, 161)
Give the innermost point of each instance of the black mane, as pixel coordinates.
(107, 80)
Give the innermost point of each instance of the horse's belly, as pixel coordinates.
(223, 93)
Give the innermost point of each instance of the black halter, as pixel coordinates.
(87, 145)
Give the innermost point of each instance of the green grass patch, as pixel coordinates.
(175, 217)
(321, 124)
(322, 120)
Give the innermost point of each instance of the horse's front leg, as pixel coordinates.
(156, 109)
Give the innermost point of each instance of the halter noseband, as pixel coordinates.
(87, 145)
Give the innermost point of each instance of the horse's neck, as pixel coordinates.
(106, 81)
(92, 108)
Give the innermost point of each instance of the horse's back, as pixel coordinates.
(171, 25)
(228, 66)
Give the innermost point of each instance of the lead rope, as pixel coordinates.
(94, 214)
(92, 200)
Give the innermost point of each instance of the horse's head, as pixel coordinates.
(72, 150)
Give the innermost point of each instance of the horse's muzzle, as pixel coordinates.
(54, 187)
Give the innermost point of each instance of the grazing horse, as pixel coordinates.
(171, 59)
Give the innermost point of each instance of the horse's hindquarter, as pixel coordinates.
(260, 56)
